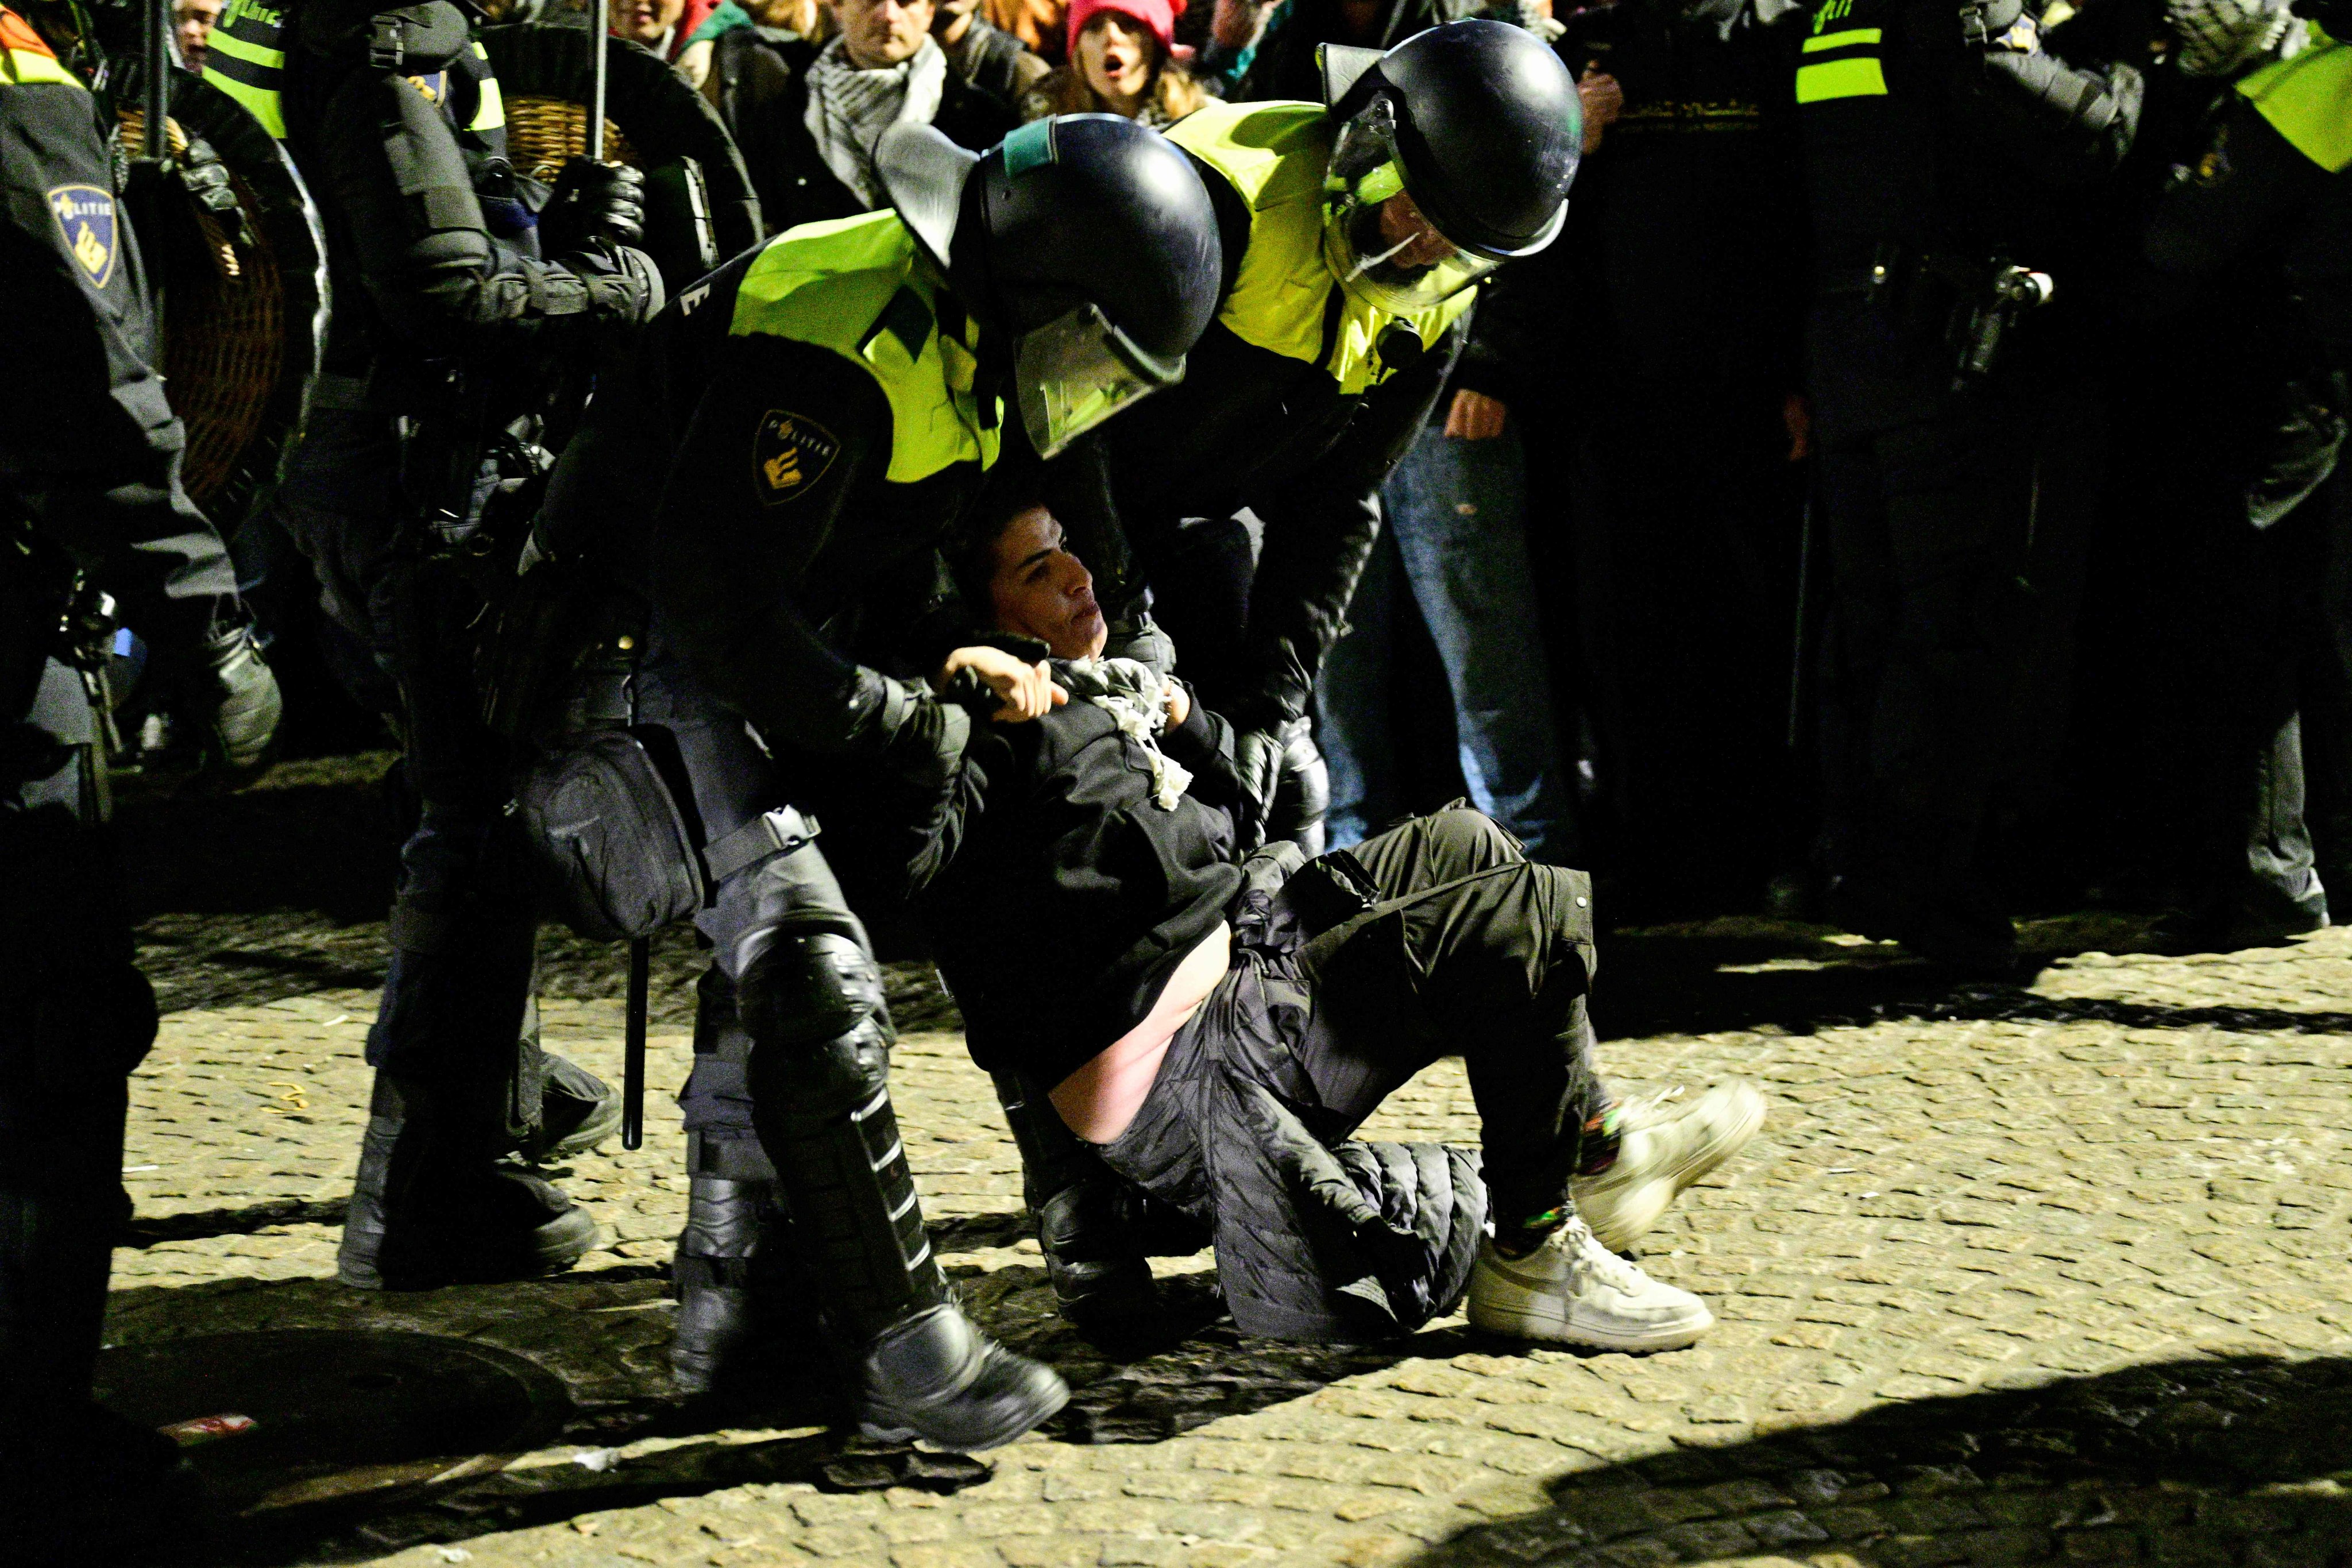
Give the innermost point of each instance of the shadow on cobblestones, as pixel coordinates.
(2224, 1461)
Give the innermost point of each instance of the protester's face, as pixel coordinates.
(191, 21)
(1117, 54)
(1041, 590)
(645, 21)
(879, 33)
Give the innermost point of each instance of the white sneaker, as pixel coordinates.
(1665, 1148)
(1572, 1290)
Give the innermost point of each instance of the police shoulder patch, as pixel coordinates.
(789, 453)
(85, 216)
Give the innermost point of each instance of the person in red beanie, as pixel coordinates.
(1123, 59)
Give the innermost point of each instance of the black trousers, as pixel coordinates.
(75, 1017)
(1458, 945)
(1922, 493)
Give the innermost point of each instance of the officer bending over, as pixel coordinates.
(802, 427)
(1218, 1032)
(90, 501)
(460, 290)
(1354, 235)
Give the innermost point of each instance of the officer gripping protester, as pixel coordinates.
(1354, 232)
(93, 509)
(800, 429)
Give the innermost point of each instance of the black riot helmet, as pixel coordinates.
(1478, 124)
(1087, 240)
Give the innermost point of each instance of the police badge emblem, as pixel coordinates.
(85, 216)
(789, 454)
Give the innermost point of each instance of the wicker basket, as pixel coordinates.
(543, 133)
(224, 331)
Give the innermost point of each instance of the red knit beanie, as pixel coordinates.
(1157, 16)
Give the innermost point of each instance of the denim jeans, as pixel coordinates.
(1457, 529)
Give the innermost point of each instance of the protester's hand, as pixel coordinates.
(1797, 419)
(1475, 416)
(1025, 692)
(1604, 100)
(1180, 704)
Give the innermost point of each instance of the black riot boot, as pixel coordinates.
(566, 1109)
(733, 1273)
(1092, 1257)
(436, 1202)
(821, 1099)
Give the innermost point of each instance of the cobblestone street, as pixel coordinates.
(2014, 1275)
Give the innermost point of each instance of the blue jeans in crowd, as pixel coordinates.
(1456, 528)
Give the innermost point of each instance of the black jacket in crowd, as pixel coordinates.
(759, 80)
(1058, 895)
(90, 451)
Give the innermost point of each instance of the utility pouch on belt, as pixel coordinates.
(612, 855)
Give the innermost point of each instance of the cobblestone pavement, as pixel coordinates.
(2013, 1275)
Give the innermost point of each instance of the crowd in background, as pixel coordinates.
(1603, 591)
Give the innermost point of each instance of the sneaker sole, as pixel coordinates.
(1632, 1217)
(1554, 1331)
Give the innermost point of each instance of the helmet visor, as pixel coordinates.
(1379, 245)
(1078, 370)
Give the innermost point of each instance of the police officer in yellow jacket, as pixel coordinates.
(459, 287)
(1354, 233)
(89, 494)
(803, 428)
(1938, 150)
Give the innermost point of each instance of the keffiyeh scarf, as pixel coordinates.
(1136, 697)
(848, 109)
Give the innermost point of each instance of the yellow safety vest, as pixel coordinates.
(246, 59)
(26, 58)
(2308, 99)
(1275, 155)
(858, 287)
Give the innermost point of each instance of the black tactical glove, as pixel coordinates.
(594, 205)
(1257, 760)
(624, 287)
(1302, 794)
(233, 703)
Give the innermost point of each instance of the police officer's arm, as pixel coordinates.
(395, 168)
(2059, 122)
(1320, 526)
(785, 438)
(88, 444)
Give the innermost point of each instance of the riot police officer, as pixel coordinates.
(89, 493)
(1931, 143)
(804, 426)
(1354, 232)
(458, 285)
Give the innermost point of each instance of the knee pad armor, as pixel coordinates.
(813, 1002)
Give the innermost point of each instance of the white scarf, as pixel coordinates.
(1136, 697)
(848, 109)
